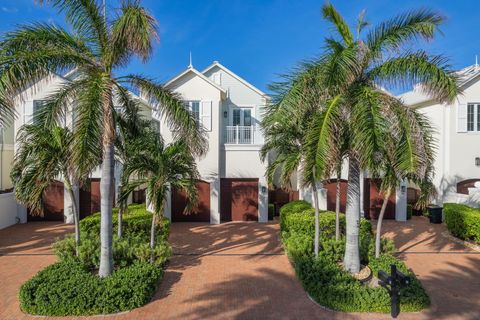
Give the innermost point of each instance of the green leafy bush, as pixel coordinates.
(325, 280)
(133, 246)
(292, 207)
(69, 288)
(409, 211)
(462, 221)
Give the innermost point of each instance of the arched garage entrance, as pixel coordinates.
(201, 212)
(462, 186)
(239, 199)
(52, 200)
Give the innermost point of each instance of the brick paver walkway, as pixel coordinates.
(239, 271)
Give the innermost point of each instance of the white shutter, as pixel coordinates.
(461, 118)
(28, 112)
(206, 115)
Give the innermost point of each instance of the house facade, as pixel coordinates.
(233, 186)
(457, 125)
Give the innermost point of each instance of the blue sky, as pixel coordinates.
(261, 39)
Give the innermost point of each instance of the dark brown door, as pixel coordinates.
(331, 186)
(200, 213)
(90, 198)
(373, 200)
(52, 201)
(239, 200)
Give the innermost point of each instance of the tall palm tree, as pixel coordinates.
(95, 48)
(161, 168)
(349, 76)
(43, 156)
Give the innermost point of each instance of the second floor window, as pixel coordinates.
(194, 107)
(38, 105)
(473, 117)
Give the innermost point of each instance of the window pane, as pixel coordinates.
(470, 116)
(247, 117)
(478, 118)
(236, 117)
(196, 110)
(37, 107)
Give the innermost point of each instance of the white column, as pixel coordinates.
(68, 204)
(401, 202)
(215, 201)
(167, 211)
(262, 200)
(21, 213)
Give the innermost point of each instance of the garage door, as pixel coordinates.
(373, 200)
(331, 186)
(239, 200)
(201, 212)
(52, 204)
(90, 198)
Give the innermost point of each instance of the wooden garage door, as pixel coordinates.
(239, 200)
(331, 186)
(90, 198)
(201, 212)
(373, 200)
(52, 204)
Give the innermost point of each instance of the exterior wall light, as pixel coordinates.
(477, 161)
(264, 189)
(225, 114)
(402, 189)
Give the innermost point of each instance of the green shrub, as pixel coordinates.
(409, 211)
(133, 246)
(324, 279)
(462, 221)
(68, 288)
(271, 211)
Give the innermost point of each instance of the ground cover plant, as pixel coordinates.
(323, 277)
(71, 286)
(462, 221)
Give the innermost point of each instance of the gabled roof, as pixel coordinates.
(197, 73)
(466, 77)
(231, 73)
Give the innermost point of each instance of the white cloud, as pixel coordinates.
(9, 9)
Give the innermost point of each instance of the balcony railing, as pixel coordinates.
(240, 135)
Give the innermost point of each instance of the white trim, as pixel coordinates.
(242, 147)
(195, 72)
(245, 82)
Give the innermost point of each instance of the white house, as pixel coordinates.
(457, 163)
(233, 185)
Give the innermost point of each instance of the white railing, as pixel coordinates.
(240, 135)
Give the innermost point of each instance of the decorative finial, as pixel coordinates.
(190, 65)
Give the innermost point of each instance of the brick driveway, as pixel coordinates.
(239, 271)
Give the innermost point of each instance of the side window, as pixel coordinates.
(470, 117)
(195, 107)
(37, 108)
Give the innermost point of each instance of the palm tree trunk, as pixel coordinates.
(76, 217)
(120, 220)
(352, 252)
(379, 224)
(152, 236)
(317, 224)
(337, 209)
(106, 204)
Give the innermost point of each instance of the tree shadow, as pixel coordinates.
(32, 238)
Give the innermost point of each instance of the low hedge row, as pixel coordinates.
(324, 279)
(71, 286)
(462, 221)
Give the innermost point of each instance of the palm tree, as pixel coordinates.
(43, 156)
(348, 77)
(394, 169)
(95, 49)
(161, 168)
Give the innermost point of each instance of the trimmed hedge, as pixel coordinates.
(462, 221)
(71, 286)
(323, 278)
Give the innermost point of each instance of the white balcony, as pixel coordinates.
(242, 135)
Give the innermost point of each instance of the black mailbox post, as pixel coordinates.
(393, 283)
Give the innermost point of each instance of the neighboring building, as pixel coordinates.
(457, 163)
(233, 185)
